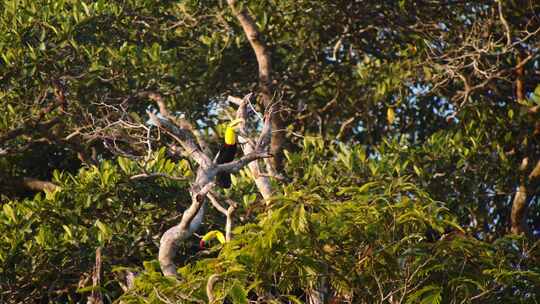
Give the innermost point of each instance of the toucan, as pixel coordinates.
(226, 154)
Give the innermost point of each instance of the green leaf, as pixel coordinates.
(51, 194)
(68, 231)
(105, 232)
(8, 211)
(365, 187)
(238, 294)
(294, 299)
(430, 294)
(206, 40)
(85, 8)
(299, 220)
(537, 90)
(124, 164)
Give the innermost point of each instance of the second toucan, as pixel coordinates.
(226, 154)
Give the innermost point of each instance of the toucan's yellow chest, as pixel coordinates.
(230, 136)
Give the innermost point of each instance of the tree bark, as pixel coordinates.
(21, 184)
(190, 222)
(261, 181)
(518, 216)
(528, 183)
(262, 53)
(96, 297)
(206, 172)
(525, 191)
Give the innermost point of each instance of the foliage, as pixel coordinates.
(364, 231)
(410, 124)
(48, 241)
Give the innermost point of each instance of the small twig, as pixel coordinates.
(236, 100)
(248, 98)
(215, 203)
(505, 23)
(162, 298)
(228, 225)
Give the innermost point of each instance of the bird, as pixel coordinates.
(226, 154)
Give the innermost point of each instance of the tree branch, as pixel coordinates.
(227, 212)
(210, 287)
(183, 137)
(96, 297)
(527, 182)
(261, 181)
(28, 183)
(201, 187)
(262, 54)
(237, 165)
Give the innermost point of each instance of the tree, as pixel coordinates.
(412, 125)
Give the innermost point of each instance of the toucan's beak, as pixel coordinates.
(233, 124)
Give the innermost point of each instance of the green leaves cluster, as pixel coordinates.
(362, 228)
(48, 241)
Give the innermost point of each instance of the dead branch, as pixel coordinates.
(228, 224)
(227, 212)
(203, 184)
(184, 137)
(248, 146)
(215, 203)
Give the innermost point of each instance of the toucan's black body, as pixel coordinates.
(226, 154)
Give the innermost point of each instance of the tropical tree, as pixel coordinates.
(388, 151)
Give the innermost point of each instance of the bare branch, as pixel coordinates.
(182, 123)
(183, 137)
(262, 182)
(228, 224)
(216, 204)
(156, 175)
(505, 23)
(27, 183)
(236, 100)
(227, 212)
(237, 165)
(161, 104)
(266, 133)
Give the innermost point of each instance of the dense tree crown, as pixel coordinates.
(386, 151)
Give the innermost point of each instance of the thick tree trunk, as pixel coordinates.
(528, 181)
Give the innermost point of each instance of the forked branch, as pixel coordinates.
(203, 183)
